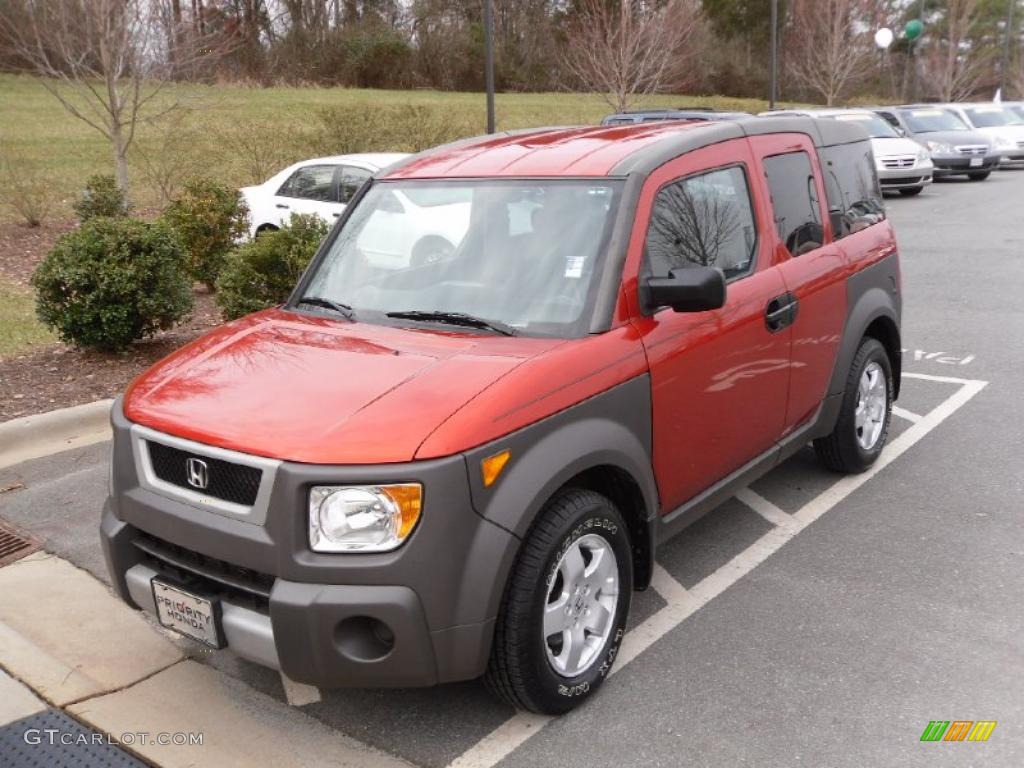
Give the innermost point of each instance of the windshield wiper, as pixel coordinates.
(318, 301)
(456, 318)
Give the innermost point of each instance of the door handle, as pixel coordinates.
(781, 312)
(335, 214)
(281, 205)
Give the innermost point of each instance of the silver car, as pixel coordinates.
(902, 164)
(956, 149)
(1001, 124)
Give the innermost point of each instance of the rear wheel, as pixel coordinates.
(431, 249)
(911, 191)
(979, 175)
(564, 612)
(863, 425)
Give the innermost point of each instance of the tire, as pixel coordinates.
(524, 665)
(264, 228)
(851, 448)
(430, 249)
(979, 175)
(911, 191)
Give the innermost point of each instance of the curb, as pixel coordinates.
(31, 437)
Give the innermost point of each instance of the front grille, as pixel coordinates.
(898, 162)
(900, 180)
(236, 483)
(972, 149)
(207, 573)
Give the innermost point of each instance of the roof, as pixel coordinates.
(680, 113)
(374, 159)
(601, 150)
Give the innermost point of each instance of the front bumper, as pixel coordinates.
(917, 175)
(958, 165)
(1011, 158)
(420, 615)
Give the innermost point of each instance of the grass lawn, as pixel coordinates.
(19, 328)
(34, 126)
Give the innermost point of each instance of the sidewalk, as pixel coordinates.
(76, 659)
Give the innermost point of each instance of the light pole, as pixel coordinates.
(489, 62)
(1006, 46)
(773, 75)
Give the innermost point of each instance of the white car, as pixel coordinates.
(902, 164)
(323, 186)
(1002, 125)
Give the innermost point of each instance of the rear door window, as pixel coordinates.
(851, 187)
(795, 201)
(350, 182)
(702, 220)
(314, 182)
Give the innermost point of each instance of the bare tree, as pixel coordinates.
(954, 64)
(631, 48)
(829, 48)
(104, 60)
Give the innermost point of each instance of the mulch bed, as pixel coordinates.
(57, 376)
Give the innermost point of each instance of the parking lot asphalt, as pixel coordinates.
(811, 621)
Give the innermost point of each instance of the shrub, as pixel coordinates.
(391, 128)
(26, 187)
(101, 197)
(262, 272)
(209, 218)
(112, 281)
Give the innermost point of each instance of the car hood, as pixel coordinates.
(954, 138)
(1008, 132)
(887, 147)
(317, 390)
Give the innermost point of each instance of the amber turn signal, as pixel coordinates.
(409, 500)
(492, 466)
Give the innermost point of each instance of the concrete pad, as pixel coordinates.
(67, 637)
(240, 726)
(16, 701)
(41, 434)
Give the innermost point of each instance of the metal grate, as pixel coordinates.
(15, 544)
(236, 483)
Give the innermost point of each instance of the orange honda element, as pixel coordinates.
(451, 459)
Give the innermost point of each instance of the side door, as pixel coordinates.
(718, 378)
(351, 179)
(310, 189)
(812, 266)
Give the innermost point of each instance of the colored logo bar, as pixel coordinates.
(958, 730)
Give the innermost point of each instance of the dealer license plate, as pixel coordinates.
(191, 615)
(976, 162)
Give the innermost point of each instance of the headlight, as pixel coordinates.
(362, 518)
(940, 148)
(1002, 142)
(923, 156)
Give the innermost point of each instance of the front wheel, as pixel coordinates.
(863, 425)
(564, 611)
(979, 175)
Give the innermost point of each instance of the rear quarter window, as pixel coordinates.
(851, 187)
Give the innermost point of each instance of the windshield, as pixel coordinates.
(991, 117)
(523, 255)
(876, 127)
(932, 120)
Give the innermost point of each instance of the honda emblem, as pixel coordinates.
(198, 473)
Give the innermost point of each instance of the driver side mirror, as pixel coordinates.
(691, 289)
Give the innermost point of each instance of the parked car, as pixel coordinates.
(657, 115)
(412, 474)
(1017, 107)
(902, 164)
(1003, 126)
(956, 149)
(323, 186)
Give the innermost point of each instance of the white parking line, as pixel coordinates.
(764, 508)
(682, 603)
(299, 694)
(906, 415)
